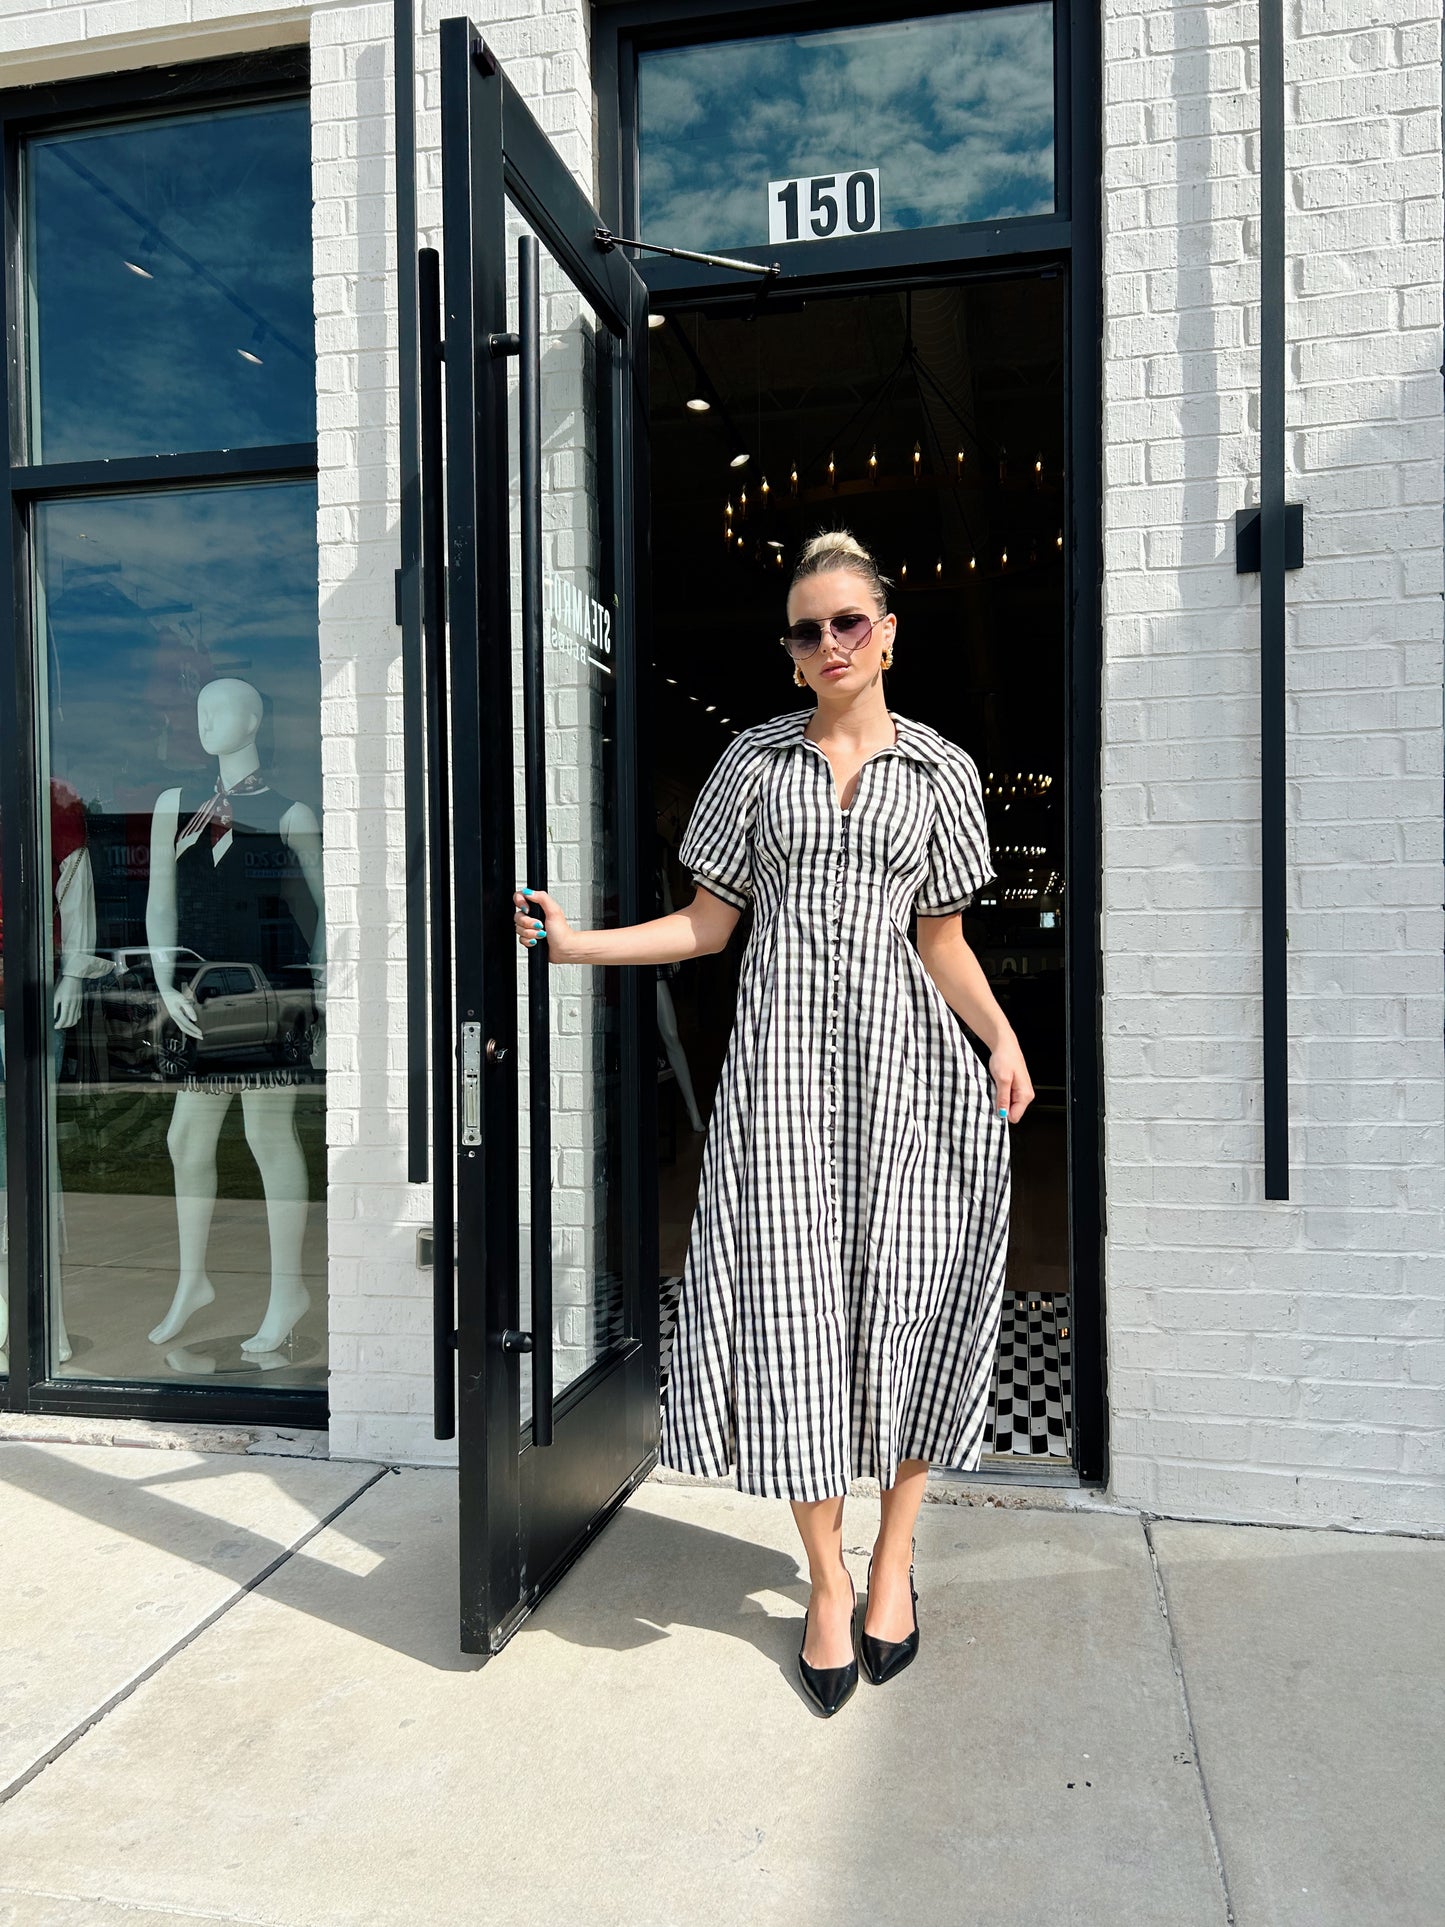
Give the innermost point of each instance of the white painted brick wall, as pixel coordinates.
(1274, 1361)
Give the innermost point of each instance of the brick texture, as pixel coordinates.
(1274, 1361)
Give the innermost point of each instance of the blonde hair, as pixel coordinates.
(833, 549)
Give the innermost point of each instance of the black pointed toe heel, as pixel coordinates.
(885, 1659)
(828, 1687)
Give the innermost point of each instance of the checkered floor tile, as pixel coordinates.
(1030, 1412)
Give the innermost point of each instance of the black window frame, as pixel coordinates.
(127, 97)
(1068, 242)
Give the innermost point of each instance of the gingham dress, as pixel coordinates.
(844, 1278)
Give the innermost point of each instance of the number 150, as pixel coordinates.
(858, 208)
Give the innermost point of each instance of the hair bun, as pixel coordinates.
(835, 542)
(833, 549)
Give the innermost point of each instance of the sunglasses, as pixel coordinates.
(849, 631)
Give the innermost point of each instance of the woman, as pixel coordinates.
(844, 1278)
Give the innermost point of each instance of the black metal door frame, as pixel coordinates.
(527, 1508)
(1066, 241)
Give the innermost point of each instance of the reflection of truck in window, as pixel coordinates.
(238, 1011)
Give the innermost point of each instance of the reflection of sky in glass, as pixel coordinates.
(957, 112)
(144, 598)
(213, 215)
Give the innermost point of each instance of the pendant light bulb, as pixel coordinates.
(873, 465)
(765, 491)
(793, 478)
(832, 472)
(938, 566)
(973, 562)
(917, 460)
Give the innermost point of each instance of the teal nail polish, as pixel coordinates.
(525, 891)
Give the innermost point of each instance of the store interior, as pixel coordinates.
(930, 422)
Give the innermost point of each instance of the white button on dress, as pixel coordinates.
(844, 1279)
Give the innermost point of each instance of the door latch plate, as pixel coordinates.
(471, 1084)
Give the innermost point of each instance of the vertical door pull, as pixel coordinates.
(534, 764)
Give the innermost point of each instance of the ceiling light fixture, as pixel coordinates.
(741, 459)
(136, 268)
(246, 355)
(698, 404)
(656, 320)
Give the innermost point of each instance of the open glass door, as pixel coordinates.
(545, 335)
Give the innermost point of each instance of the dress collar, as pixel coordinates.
(916, 741)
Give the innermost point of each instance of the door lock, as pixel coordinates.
(496, 1053)
(471, 1084)
(511, 1341)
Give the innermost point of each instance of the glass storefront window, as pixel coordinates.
(581, 705)
(186, 1082)
(952, 116)
(168, 268)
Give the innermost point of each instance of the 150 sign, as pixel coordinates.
(813, 208)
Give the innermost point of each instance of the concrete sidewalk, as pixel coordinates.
(230, 1691)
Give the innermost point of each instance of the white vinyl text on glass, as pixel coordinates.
(817, 206)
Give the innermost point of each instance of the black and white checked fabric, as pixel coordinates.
(1031, 1411)
(842, 1288)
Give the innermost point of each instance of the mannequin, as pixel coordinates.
(666, 1013)
(207, 855)
(72, 888)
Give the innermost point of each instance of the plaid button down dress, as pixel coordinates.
(844, 1279)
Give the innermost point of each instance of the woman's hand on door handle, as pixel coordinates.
(539, 919)
(700, 929)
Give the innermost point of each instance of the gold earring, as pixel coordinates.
(799, 678)
(885, 661)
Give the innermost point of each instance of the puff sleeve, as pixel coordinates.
(959, 861)
(717, 845)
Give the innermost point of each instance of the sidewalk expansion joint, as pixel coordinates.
(107, 1706)
(1161, 1599)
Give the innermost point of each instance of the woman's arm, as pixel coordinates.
(697, 931)
(959, 975)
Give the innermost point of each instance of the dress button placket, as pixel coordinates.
(835, 995)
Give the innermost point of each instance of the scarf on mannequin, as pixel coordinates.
(216, 812)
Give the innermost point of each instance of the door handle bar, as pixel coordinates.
(439, 835)
(534, 744)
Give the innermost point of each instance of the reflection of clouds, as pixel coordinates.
(957, 113)
(128, 364)
(148, 596)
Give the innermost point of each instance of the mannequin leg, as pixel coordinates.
(676, 1055)
(59, 1337)
(195, 1126)
(4, 1220)
(271, 1134)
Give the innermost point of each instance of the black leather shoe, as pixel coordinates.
(829, 1686)
(884, 1659)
